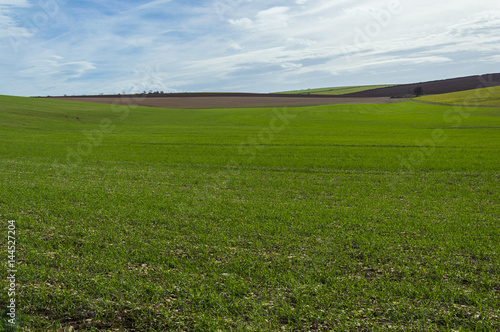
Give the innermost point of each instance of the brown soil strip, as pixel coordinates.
(204, 101)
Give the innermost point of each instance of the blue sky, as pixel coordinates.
(55, 47)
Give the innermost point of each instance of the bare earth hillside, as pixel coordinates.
(433, 87)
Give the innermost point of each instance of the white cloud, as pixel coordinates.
(15, 3)
(491, 59)
(145, 79)
(242, 22)
(235, 46)
(362, 64)
(268, 19)
(56, 67)
(9, 27)
(273, 18)
(301, 41)
(290, 65)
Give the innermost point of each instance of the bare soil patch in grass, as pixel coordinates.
(211, 101)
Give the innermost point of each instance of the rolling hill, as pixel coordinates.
(434, 87)
(477, 97)
(335, 91)
(313, 97)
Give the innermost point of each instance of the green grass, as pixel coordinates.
(206, 220)
(477, 97)
(337, 90)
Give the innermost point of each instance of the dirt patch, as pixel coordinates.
(207, 101)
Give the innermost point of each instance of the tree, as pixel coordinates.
(418, 91)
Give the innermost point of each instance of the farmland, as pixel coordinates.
(339, 217)
(224, 100)
(477, 97)
(434, 87)
(336, 91)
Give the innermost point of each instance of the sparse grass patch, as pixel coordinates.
(337, 91)
(478, 97)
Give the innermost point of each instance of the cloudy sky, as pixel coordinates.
(55, 47)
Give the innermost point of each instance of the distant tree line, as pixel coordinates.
(151, 92)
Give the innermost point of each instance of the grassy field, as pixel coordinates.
(331, 218)
(478, 97)
(337, 91)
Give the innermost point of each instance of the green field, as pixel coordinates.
(477, 97)
(337, 91)
(331, 218)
